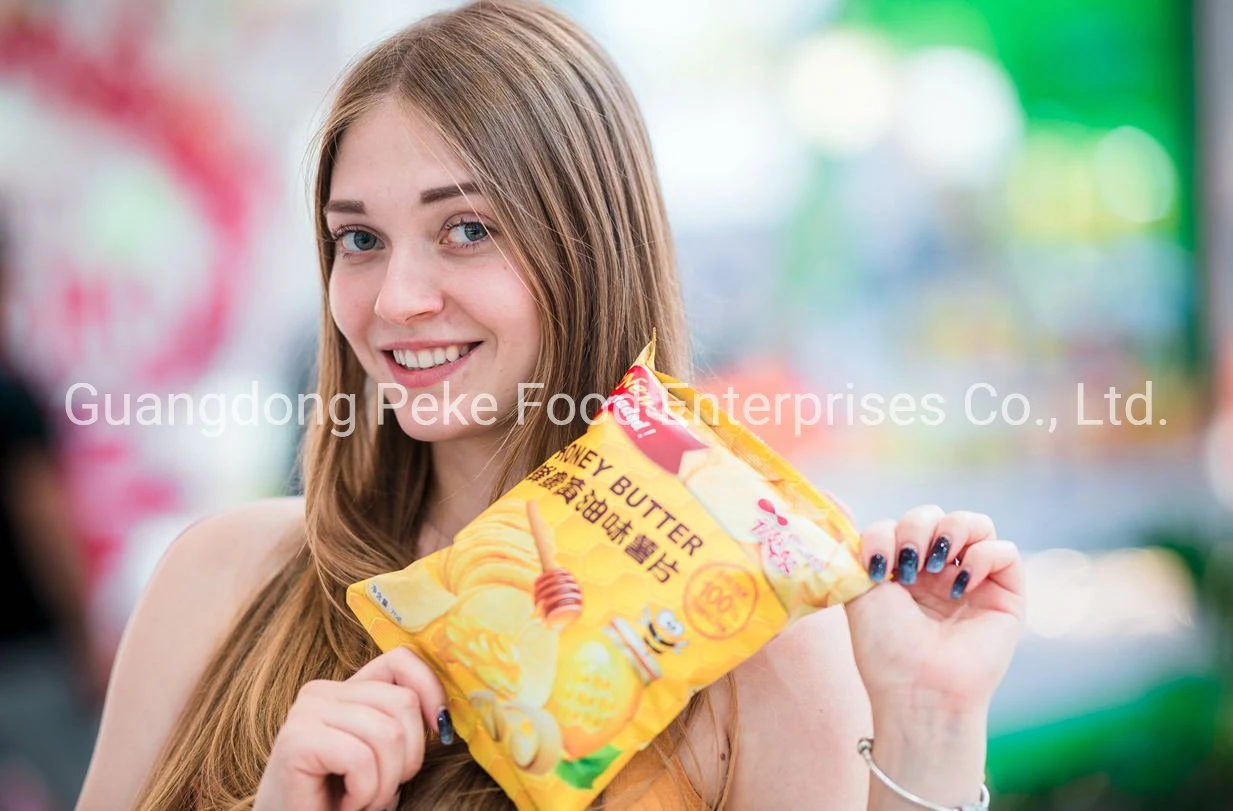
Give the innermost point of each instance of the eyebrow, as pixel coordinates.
(427, 197)
(446, 192)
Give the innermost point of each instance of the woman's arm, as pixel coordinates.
(915, 667)
(800, 710)
(205, 578)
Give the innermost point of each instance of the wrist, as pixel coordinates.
(934, 752)
(929, 706)
(932, 739)
(885, 793)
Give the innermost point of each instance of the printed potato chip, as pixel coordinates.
(572, 620)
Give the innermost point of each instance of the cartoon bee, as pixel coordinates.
(664, 632)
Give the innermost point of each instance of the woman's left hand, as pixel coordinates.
(942, 625)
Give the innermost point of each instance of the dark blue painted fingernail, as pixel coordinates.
(877, 568)
(961, 583)
(445, 727)
(936, 561)
(909, 561)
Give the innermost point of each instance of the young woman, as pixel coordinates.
(488, 214)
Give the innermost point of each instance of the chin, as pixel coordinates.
(427, 427)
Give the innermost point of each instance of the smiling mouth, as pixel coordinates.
(419, 359)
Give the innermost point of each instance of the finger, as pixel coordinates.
(996, 561)
(383, 734)
(319, 704)
(403, 705)
(912, 536)
(401, 666)
(326, 750)
(954, 532)
(877, 548)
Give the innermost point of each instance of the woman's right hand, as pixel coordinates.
(369, 731)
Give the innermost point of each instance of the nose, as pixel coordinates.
(409, 290)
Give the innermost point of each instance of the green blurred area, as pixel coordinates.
(1156, 752)
(1099, 64)
(1171, 747)
(1081, 70)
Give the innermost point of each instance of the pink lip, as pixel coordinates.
(423, 378)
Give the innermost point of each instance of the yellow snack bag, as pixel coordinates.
(573, 619)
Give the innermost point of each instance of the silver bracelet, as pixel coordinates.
(865, 747)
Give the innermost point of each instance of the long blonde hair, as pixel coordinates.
(552, 136)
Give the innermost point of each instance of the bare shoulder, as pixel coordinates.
(799, 707)
(203, 581)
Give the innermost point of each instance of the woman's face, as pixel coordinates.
(422, 285)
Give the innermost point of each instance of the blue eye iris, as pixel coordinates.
(467, 232)
(358, 241)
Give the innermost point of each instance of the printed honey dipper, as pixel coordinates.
(557, 593)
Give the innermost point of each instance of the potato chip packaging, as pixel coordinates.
(573, 619)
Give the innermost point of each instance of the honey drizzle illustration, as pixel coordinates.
(557, 593)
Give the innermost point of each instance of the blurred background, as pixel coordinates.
(1005, 202)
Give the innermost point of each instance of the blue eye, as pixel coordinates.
(358, 241)
(465, 234)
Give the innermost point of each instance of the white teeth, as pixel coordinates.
(428, 358)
